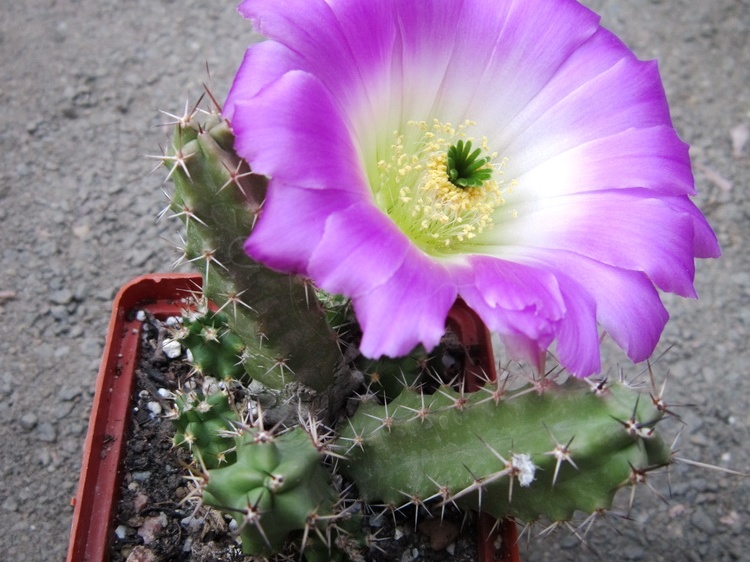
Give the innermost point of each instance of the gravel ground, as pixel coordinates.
(82, 83)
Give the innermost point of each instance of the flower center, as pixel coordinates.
(438, 189)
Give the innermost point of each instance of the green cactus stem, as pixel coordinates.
(214, 349)
(277, 317)
(276, 487)
(202, 424)
(545, 451)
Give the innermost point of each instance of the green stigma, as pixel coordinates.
(465, 168)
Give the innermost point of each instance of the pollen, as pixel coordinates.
(436, 188)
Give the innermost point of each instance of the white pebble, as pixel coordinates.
(140, 316)
(154, 408)
(172, 348)
(121, 532)
(165, 393)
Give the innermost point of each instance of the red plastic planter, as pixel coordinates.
(101, 475)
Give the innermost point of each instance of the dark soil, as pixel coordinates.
(154, 522)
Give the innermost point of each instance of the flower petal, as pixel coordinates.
(292, 132)
(600, 91)
(628, 306)
(408, 310)
(529, 306)
(630, 229)
(653, 158)
(292, 224)
(360, 250)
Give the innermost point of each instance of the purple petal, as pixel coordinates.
(292, 224)
(628, 306)
(630, 229)
(602, 90)
(360, 249)
(529, 306)
(291, 132)
(400, 296)
(408, 310)
(653, 158)
(511, 297)
(263, 64)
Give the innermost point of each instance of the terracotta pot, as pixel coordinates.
(101, 476)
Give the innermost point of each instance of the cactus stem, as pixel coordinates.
(496, 394)
(252, 517)
(282, 365)
(460, 402)
(598, 386)
(356, 441)
(417, 502)
(444, 494)
(635, 428)
(179, 159)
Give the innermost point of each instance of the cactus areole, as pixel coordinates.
(515, 154)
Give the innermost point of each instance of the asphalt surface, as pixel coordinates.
(82, 83)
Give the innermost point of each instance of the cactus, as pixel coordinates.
(276, 486)
(283, 330)
(543, 451)
(214, 349)
(201, 422)
(537, 452)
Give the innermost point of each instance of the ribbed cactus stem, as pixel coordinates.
(276, 486)
(547, 451)
(277, 317)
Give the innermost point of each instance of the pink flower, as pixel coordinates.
(569, 208)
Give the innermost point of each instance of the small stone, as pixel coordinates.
(46, 432)
(140, 501)
(121, 532)
(63, 296)
(81, 231)
(141, 476)
(67, 394)
(172, 348)
(62, 409)
(44, 457)
(141, 554)
(29, 421)
(151, 527)
(634, 552)
(703, 522)
(154, 408)
(10, 504)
